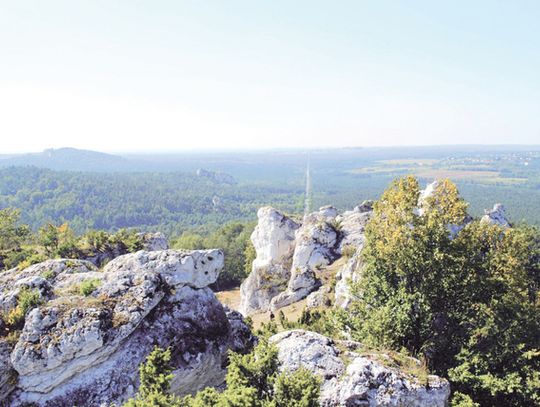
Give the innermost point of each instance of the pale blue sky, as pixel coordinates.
(170, 75)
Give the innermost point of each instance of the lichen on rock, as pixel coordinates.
(77, 349)
(354, 378)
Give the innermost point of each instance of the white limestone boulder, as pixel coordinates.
(274, 239)
(350, 378)
(85, 350)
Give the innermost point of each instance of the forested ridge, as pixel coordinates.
(176, 202)
(169, 202)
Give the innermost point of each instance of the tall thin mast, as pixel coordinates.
(308, 198)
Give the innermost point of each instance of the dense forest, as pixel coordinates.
(177, 202)
(167, 202)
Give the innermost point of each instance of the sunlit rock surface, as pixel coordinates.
(354, 378)
(85, 350)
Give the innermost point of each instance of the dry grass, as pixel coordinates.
(327, 275)
(411, 367)
(231, 298)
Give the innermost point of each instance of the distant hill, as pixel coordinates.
(71, 159)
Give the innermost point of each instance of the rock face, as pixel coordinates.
(274, 242)
(353, 379)
(496, 216)
(353, 226)
(349, 273)
(316, 246)
(290, 255)
(85, 350)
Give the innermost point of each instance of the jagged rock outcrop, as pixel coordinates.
(317, 243)
(285, 274)
(290, 256)
(351, 378)
(274, 242)
(85, 350)
(496, 216)
(352, 225)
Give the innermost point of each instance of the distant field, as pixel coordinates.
(410, 161)
(431, 169)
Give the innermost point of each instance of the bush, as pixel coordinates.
(87, 287)
(26, 300)
(467, 303)
(253, 380)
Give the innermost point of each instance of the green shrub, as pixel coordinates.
(28, 261)
(48, 274)
(26, 300)
(467, 303)
(298, 389)
(253, 380)
(87, 287)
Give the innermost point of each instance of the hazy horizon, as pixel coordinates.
(502, 147)
(181, 76)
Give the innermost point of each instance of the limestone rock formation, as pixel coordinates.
(319, 298)
(496, 216)
(274, 242)
(85, 350)
(352, 378)
(290, 255)
(349, 273)
(352, 225)
(317, 243)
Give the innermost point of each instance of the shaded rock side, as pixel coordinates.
(365, 380)
(85, 350)
(349, 274)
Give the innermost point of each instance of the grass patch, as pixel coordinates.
(26, 300)
(87, 287)
(48, 275)
(411, 367)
